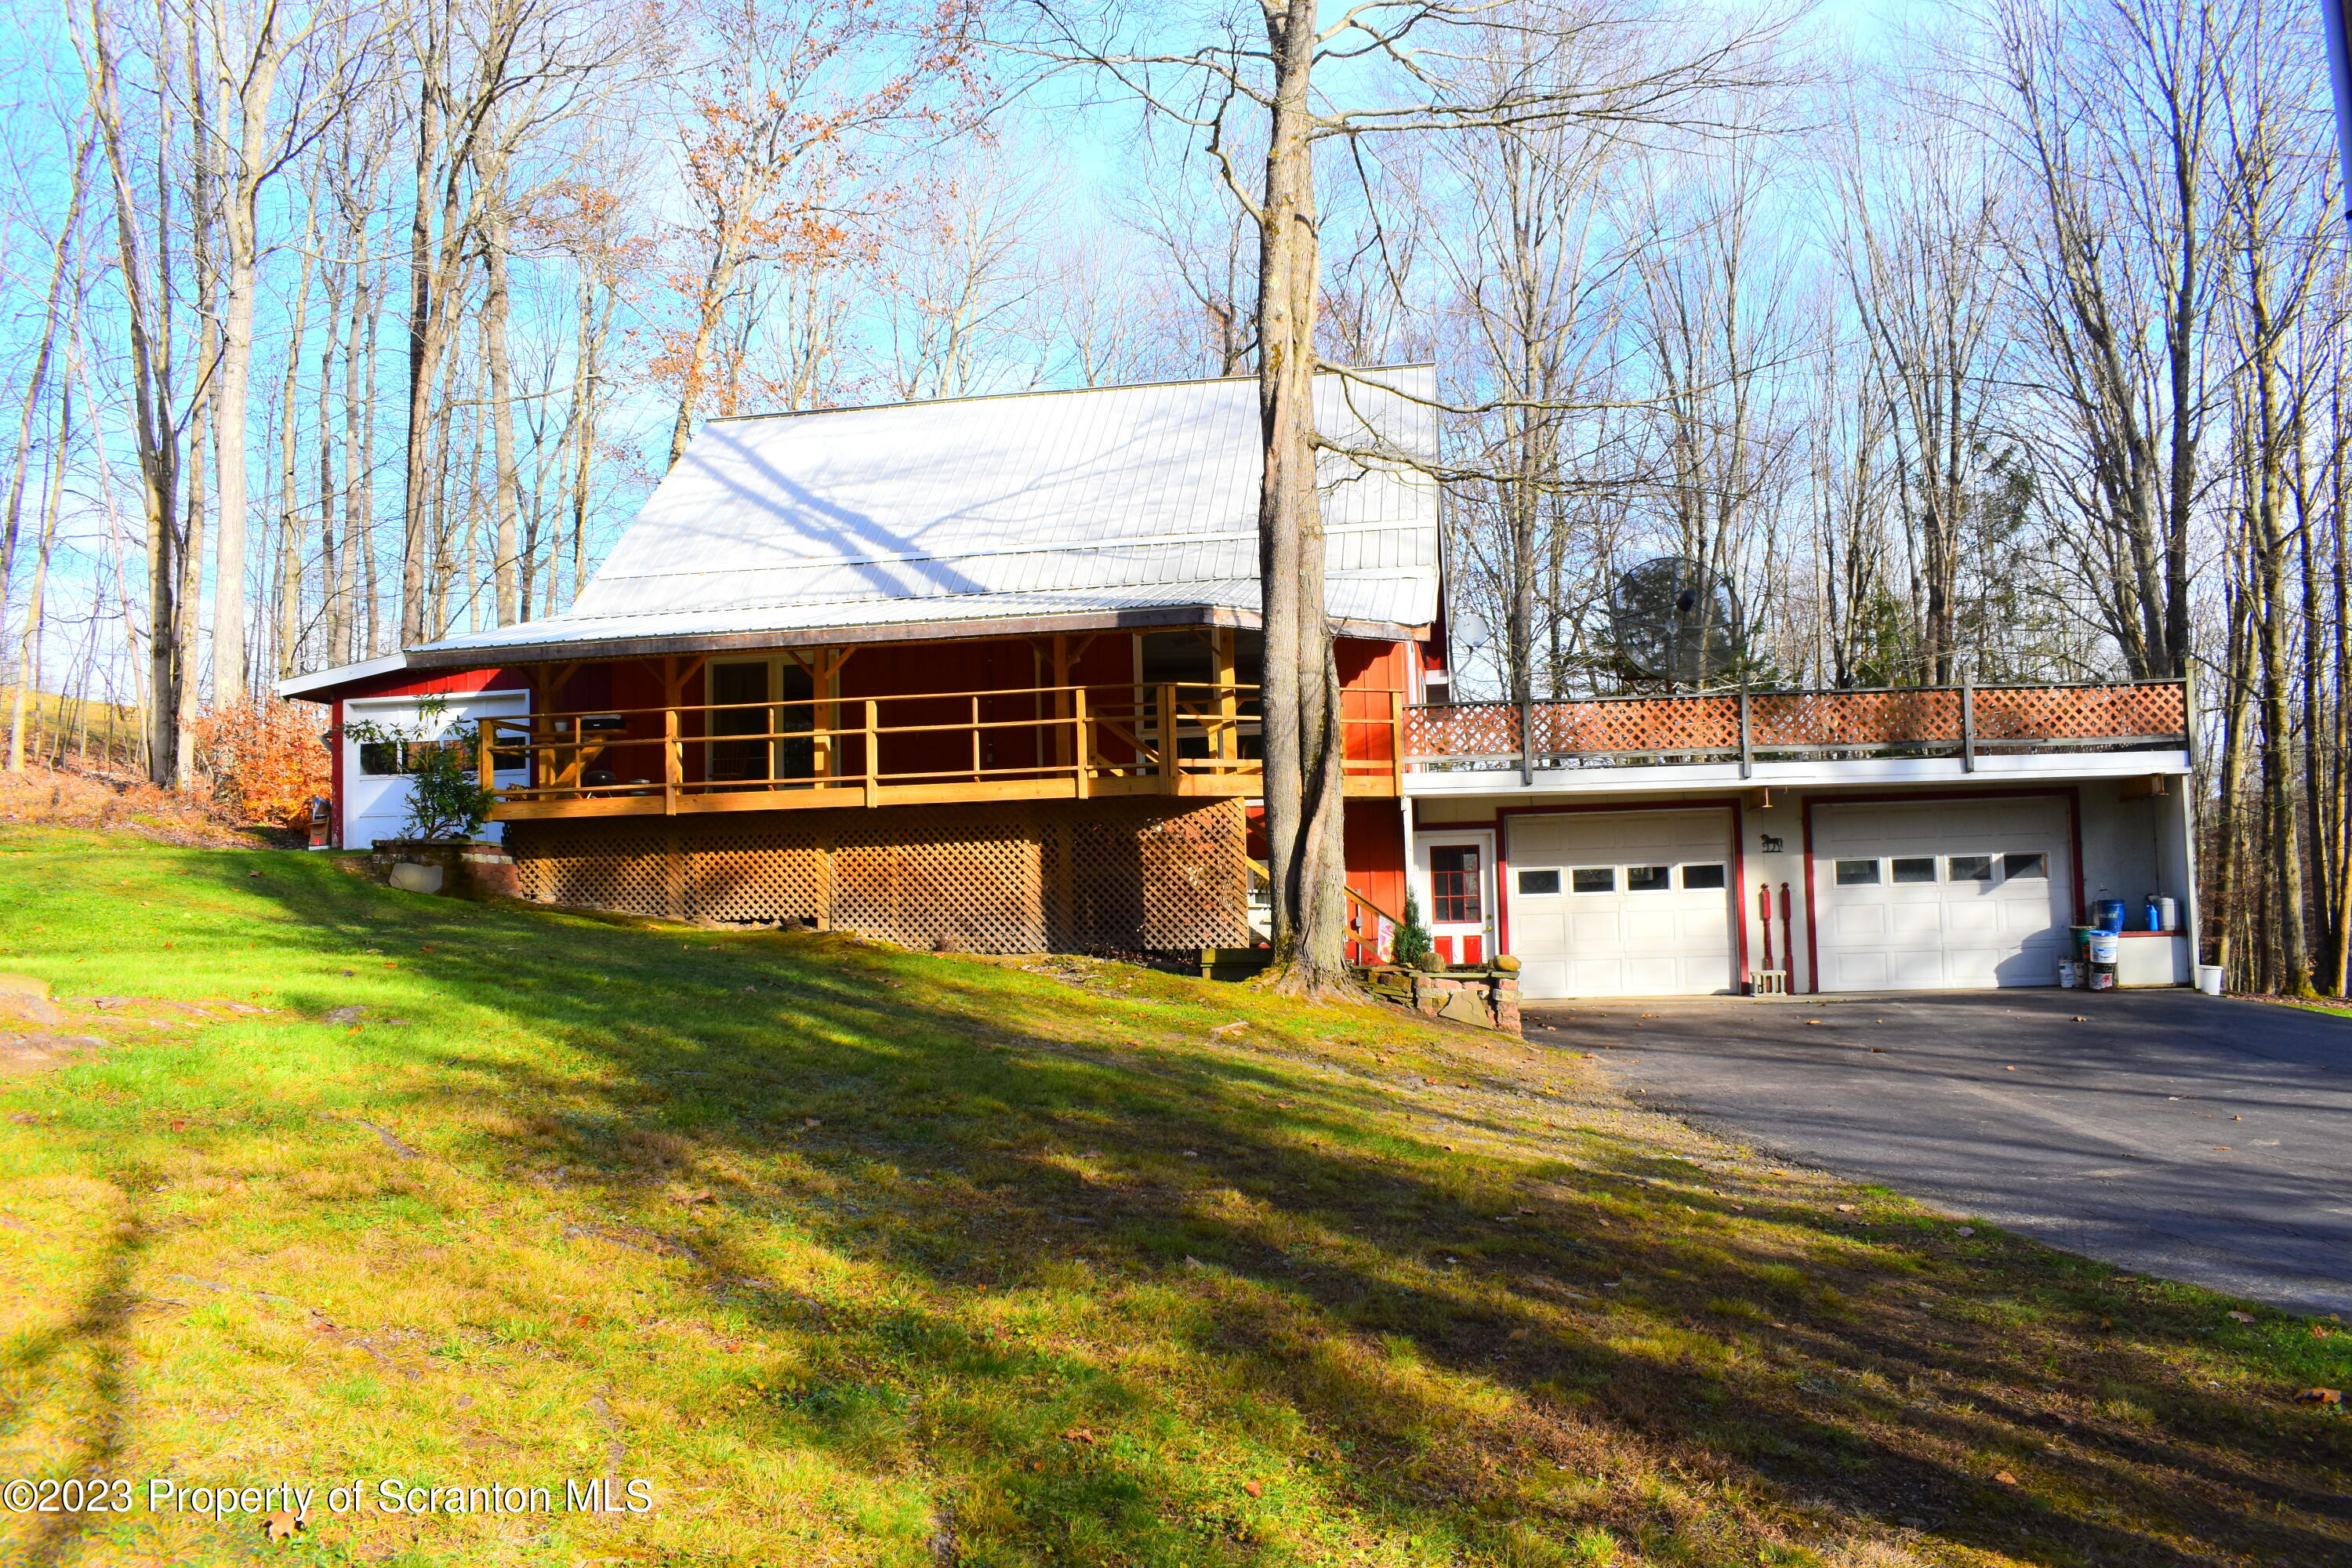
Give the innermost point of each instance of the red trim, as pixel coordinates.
(1503, 862)
(2071, 794)
(335, 773)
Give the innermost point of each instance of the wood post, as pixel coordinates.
(1081, 749)
(1396, 740)
(1229, 705)
(1968, 724)
(673, 760)
(484, 729)
(873, 757)
(1166, 738)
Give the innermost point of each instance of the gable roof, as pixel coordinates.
(1109, 506)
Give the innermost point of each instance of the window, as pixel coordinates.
(1857, 873)
(1648, 878)
(1594, 878)
(1968, 868)
(1453, 890)
(1535, 884)
(381, 759)
(2013, 867)
(1914, 868)
(1696, 879)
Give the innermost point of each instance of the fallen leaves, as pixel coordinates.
(282, 1525)
(2004, 1477)
(1253, 1489)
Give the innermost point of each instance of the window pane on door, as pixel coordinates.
(1970, 867)
(1857, 873)
(1914, 868)
(1595, 879)
(1535, 884)
(2015, 867)
(1453, 892)
(1648, 878)
(1696, 879)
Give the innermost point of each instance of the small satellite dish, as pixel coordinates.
(1470, 630)
(1674, 620)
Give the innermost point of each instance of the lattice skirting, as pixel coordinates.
(1105, 875)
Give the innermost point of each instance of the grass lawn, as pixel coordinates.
(859, 1255)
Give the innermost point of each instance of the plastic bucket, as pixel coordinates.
(2208, 978)
(2106, 947)
(2069, 974)
(2107, 914)
(2171, 912)
(2102, 977)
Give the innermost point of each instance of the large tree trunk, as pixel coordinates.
(1304, 759)
(494, 344)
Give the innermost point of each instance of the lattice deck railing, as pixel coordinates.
(1957, 721)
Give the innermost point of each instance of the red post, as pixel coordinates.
(1764, 913)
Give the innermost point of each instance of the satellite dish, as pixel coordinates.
(1470, 630)
(1674, 620)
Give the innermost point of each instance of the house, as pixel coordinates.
(981, 673)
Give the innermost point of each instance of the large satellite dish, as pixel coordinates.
(1674, 620)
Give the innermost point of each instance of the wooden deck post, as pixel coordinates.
(1081, 750)
(1166, 738)
(1968, 723)
(1061, 703)
(673, 759)
(872, 758)
(1396, 741)
(1229, 705)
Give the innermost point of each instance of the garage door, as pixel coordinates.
(1952, 895)
(375, 786)
(1621, 903)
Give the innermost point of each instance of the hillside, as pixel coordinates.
(860, 1255)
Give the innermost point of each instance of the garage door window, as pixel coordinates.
(1970, 868)
(1595, 879)
(1857, 873)
(1537, 884)
(1648, 878)
(1914, 868)
(2015, 867)
(1699, 878)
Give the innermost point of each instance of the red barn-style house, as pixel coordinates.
(982, 673)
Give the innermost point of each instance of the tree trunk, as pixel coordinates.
(494, 343)
(29, 654)
(1304, 760)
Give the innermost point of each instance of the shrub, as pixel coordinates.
(263, 761)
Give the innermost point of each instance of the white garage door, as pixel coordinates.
(1621, 903)
(376, 788)
(1952, 895)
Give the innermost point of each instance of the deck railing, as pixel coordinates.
(1041, 742)
(1964, 720)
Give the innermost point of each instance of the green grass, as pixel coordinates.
(860, 1255)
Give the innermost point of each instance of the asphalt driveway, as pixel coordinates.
(2189, 1137)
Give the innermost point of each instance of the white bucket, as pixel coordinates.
(2068, 979)
(2169, 911)
(2209, 979)
(2106, 947)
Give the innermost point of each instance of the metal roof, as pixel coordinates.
(1088, 504)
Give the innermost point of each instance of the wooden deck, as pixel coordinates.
(1064, 742)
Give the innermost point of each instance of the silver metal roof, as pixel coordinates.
(1081, 506)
